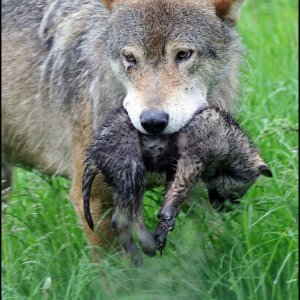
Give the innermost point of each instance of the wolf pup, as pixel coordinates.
(212, 146)
(67, 63)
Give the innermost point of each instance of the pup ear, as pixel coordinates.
(265, 170)
(108, 3)
(228, 10)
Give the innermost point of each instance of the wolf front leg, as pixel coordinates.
(187, 171)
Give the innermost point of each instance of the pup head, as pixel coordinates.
(228, 187)
(170, 55)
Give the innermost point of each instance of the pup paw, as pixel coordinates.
(130, 247)
(145, 239)
(147, 243)
(168, 216)
(160, 236)
(134, 253)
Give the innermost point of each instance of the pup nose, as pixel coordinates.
(154, 121)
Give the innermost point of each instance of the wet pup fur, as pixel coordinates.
(212, 147)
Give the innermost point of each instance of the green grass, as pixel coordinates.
(249, 253)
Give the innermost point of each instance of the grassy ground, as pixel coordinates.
(249, 253)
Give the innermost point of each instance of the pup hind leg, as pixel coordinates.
(121, 225)
(100, 205)
(128, 216)
(144, 236)
(129, 181)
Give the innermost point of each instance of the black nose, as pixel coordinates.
(154, 121)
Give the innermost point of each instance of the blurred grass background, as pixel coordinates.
(249, 253)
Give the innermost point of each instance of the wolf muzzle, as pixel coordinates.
(154, 121)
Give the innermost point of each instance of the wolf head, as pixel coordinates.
(173, 57)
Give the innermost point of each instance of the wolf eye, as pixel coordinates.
(183, 55)
(130, 58)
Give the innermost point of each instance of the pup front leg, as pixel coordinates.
(187, 171)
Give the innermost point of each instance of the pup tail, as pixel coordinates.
(87, 181)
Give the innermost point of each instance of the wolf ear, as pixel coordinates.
(265, 170)
(228, 10)
(108, 3)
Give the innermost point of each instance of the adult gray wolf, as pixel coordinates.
(67, 63)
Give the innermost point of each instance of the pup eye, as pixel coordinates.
(130, 58)
(183, 55)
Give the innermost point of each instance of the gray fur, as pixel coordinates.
(212, 147)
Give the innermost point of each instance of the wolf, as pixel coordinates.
(67, 63)
(212, 147)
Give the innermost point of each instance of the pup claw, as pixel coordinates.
(158, 215)
(166, 217)
(169, 222)
(160, 236)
